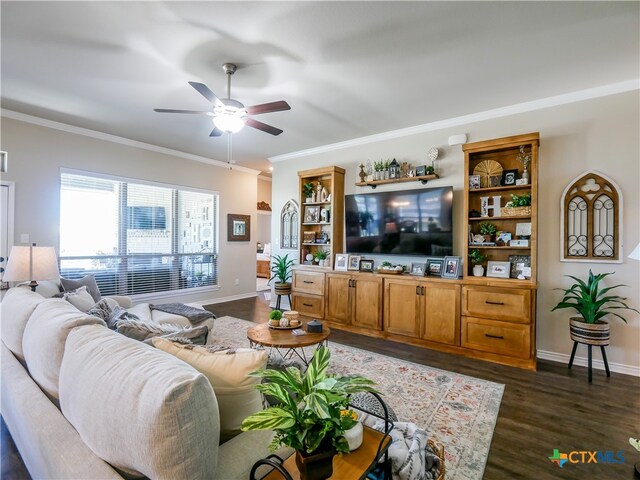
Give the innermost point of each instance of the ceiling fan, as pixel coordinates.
(229, 115)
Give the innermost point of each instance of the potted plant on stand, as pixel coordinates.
(477, 258)
(593, 304)
(310, 416)
(281, 268)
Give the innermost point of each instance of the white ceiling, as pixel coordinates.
(348, 69)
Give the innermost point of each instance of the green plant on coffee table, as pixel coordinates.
(321, 255)
(275, 315)
(487, 228)
(476, 257)
(590, 302)
(309, 416)
(523, 200)
(307, 189)
(281, 268)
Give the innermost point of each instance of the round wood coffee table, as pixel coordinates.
(285, 343)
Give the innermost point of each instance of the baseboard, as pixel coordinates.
(584, 362)
(230, 298)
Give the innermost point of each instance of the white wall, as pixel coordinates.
(601, 134)
(263, 230)
(37, 153)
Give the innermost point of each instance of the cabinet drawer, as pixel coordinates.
(511, 304)
(309, 282)
(309, 305)
(496, 337)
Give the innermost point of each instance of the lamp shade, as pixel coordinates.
(636, 253)
(31, 263)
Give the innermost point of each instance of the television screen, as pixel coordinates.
(409, 222)
(147, 218)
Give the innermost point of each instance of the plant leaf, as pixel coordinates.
(269, 419)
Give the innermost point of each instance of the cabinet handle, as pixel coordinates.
(353, 284)
(421, 290)
(307, 305)
(308, 281)
(499, 337)
(418, 290)
(493, 303)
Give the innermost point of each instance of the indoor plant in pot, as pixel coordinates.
(307, 191)
(281, 268)
(488, 230)
(592, 303)
(309, 416)
(476, 257)
(321, 257)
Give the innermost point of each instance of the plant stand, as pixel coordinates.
(604, 357)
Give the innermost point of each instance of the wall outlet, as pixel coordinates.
(24, 238)
(237, 282)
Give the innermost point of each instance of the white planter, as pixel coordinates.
(478, 271)
(354, 436)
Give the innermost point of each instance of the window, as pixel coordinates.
(135, 237)
(590, 223)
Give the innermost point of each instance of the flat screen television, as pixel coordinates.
(147, 218)
(408, 222)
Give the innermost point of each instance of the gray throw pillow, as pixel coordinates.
(104, 309)
(89, 281)
(133, 327)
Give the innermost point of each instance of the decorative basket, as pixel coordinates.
(513, 211)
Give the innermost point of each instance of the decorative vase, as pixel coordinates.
(589, 333)
(525, 175)
(478, 270)
(282, 288)
(315, 466)
(354, 436)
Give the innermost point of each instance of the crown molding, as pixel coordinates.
(265, 179)
(43, 122)
(578, 96)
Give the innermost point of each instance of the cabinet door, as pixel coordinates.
(338, 306)
(366, 302)
(402, 307)
(442, 313)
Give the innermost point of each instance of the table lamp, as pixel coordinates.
(31, 264)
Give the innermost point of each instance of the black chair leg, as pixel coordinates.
(606, 364)
(590, 373)
(573, 353)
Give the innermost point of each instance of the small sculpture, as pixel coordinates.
(405, 169)
(362, 173)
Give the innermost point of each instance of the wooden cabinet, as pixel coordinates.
(322, 217)
(512, 304)
(441, 313)
(402, 306)
(308, 292)
(354, 300)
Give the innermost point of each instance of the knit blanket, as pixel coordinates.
(194, 315)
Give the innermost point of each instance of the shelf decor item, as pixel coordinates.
(520, 205)
(434, 267)
(486, 169)
(477, 258)
(524, 158)
(498, 269)
(238, 228)
(311, 214)
(452, 267)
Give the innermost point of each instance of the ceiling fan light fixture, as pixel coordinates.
(229, 118)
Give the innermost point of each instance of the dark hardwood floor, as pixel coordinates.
(552, 408)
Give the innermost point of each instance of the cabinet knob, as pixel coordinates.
(493, 303)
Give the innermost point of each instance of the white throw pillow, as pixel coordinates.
(139, 409)
(79, 298)
(16, 308)
(44, 339)
(227, 371)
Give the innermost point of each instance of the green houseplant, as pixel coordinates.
(593, 304)
(311, 415)
(321, 257)
(281, 269)
(488, 229)
(477, 258)
(307, 191)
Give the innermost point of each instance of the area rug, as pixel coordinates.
(458, 411)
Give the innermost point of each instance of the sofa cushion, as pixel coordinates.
(44, 339)
(88, 281)
(227, 371)
(162, 414)
(79, 298)
(143, 312)
(16, 308)
(133, 327)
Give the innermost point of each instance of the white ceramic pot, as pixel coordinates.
(478, 271)
(354, 436)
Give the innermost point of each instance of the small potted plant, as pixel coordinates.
(593, 304)
(477, 258)
(310, 415)
(281, 268)
(487, 229)
(307, 191)
(321, 257)
(518, 205)
(274, 318)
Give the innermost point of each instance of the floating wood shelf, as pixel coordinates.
(374, 183)
(503, 217)
(500, 247)
(502, 188)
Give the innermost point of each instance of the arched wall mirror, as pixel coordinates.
(289, 225)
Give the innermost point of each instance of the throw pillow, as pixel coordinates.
(89, 281)
(79, 298)
(103, 309)
(132, 327)
(227, 370)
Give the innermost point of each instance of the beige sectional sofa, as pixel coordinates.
(84, 402)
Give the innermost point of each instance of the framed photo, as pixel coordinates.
(503, 238)
(323, 238)
(311, 214)
(421, 170)
(238, 228)
(418, 269)
(366, 265)
(498, 269)
(354, 262)
(474, 182)
(520, 266)
(509, 177)
(452, 267)
(434, 267)
(341, 262)
(494, 180)
(308, 237)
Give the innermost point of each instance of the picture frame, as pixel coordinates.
(509, 177)
(421, 170)
(311, 214)
(503, 238)
(308, 237)
(418, 269)
(520, 266)
(238, 228)
(366, 265)
(495, 180)
(322, 238)
(434, 267)
(474, 182)
(498, 269)
(354, 262)
(452, 267)
(341, 263)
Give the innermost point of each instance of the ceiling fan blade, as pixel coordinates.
(205, 92)
(168, 110)
(268, 107)
(263, 126)
(216, 132)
